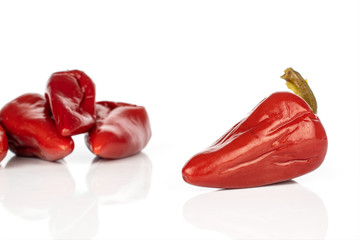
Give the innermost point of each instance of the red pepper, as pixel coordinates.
(71, 95)
(3, 143)
(121, 130)
(31, 131)
(281, 139)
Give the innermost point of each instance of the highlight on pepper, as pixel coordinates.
(281, 139)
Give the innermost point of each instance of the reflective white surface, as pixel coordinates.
(121, 199)
(198, 67)
(281, 211)
(122, 181)
(34, 190)
(39, 190)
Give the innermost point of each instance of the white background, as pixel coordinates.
(198, 67)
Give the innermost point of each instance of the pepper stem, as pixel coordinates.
(300, 87)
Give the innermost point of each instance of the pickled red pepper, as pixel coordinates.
(31, 131)
(281, 139)
(121, 130)
(71, 95)
(3, 143)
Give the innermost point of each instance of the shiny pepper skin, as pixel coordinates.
(3, 143)
(121, 130)
(281, 139)
(71, 95)
(31, 131)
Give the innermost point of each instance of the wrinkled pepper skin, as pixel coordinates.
(71, 95)
(31, 131)
(281, 139)
(3, 143)
(121, 130)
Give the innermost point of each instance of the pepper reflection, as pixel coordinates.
(279, 211)
(35, 189)
(75, 218)
(109, 181)
(34, 186)
(3, 184)
(120, 181)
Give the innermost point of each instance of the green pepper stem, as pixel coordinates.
(300, 87)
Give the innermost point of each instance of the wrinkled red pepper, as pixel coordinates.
(71, 95)
(3, 143)
(281, 139)
(121, 130)
(31, 131)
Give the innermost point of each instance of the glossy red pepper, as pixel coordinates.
(71, 95)
(31, 131)
(3, 143)
(121, 130)
(281, 139)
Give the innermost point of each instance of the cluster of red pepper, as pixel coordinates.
(33, 125)
(282, 138)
